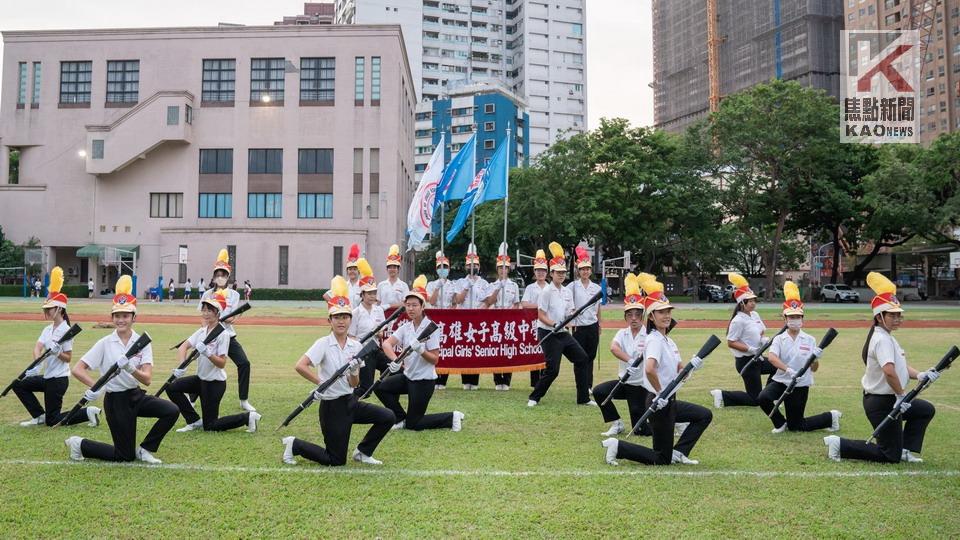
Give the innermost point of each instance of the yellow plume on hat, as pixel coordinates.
(223, 256)
(880, 283)
(394, 250)
(643, 278)
(56, 280)
(556, 249)
(790, 291)
(540, 254)
(652, 286)
(363, 266)
(339, 287)
(420, 282)
(125, 285)
(737, 280)
(631, 285)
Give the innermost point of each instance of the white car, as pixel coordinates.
(838, 293)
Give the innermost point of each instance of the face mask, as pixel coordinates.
(795, 324)
(220, 281)
(443, 272)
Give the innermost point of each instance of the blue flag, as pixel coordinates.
(490, 184)
(472, 199)
(457, 176)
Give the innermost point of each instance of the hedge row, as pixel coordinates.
(72, 291)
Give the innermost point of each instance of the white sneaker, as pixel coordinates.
(680, 427)
(474, 387)
(590, 403)
(457, 421)
(93, 416)
(717, 398)
(611, 445)
(616, 428)
(245, 405)
(73, 443)
(439, 387)
(780, 429)
(909, 457)
(147, 457)
(253, 422)
(399, 425)
(833, 447)
(288, 451)
(506, 387)
(678, 457)
(363, 458)
(532, 403)
(38, 421)
(834, 420)
(467, 386)
(190, 427)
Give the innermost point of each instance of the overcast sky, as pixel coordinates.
(619, 41)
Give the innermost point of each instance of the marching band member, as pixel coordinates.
(471, 291)
(125, 401)
(221, 273)
(554, 305)
(661, 367)
(531, 295)
(884, 384)
(340, 408)
(419, 373)
(744, 338)
(627, 346)
(788, 353)
(503, 294)
(56, 367)
(367, 316)
(441, 293)
(391, 291)
(586, 327)
(210, 382)
(353, 276)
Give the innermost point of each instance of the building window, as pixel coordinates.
(75, 82)
(216, 161)
(173, 115)
(283, 270)
(317, 77)
(358, 81)
(265, 161)
(374, 203)
(337, 260)
(219, 80)
(315, 205)
(97, 148)
(13, 171)
(123, 81)
(375, 80)
(182, 269)
(315, 161)
(216, 205)
(35, 99)
(358, 183)
(489, 126)
(264, 205)
(266, 80)
(22, 84)
(489, 108)
(166, 205)
(488, 144)
(576, 29)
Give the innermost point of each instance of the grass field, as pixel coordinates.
(512, 472)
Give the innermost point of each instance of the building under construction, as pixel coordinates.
(751, 41)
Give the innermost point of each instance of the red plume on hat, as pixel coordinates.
(583, 258)
(353, 255)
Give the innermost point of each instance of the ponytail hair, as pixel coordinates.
(866, 344)
(736, 309)
(66, 317)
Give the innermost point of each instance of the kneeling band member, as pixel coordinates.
(367, 316)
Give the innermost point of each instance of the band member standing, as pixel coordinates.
(353, 276)
(367, 316)
(339, 407)
(531, 296)
(56, 367)
(390, 292)
(471, 291)
(221, 273)
(788, 353)
(503, 294)
(884, 384)
(210, 382)
(627, 346)
(586, 327)
(125, 401)
(419, 369)
(661, 367)
(744, 338)
(554, 306)
(440, 294)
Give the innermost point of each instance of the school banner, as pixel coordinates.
(485, 340)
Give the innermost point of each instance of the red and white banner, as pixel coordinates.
(485, 340)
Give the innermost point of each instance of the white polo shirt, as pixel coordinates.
(531, 294)
(746, 328)
(882, 350)
(556, 302)
(391, 293)
(581, 295)
(327, 356)
(476, 289)
(104, 354)
(416, 368)
(634, 347)
(794, 353)
(233, 301)
(667, 357)
(53, 367)
(444, 298)
(508, 293)
(363, 321)
(206, 369)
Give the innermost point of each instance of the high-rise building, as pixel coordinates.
(536, 48)
(313, 13)
(785, 39)
(938, 23)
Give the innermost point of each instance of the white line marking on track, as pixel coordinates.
(307, 468)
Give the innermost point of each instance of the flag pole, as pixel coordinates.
(506, 173)
(443, 205)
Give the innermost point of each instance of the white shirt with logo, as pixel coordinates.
(508, 293)
(634, 347)
(746, 328)
(416, 368)
(364, 321)
(445, 297)
(233, 301)
(391, 293)
(581, 295)
(665, 353)
(556, 302)
(105, 353)
(53, 367)
(476, 289)
(531, 294)
(206, 369)
(327, 356)
(882, 350)
(794, 353)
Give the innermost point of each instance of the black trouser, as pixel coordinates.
(751, 382)
(473, 379)
(589, 339)
(239, 358)
(53, 391)
(895, 436)
(337, 417)
(534, 377)
(562, 344)
(419, 393)
(122, 410)
(211, 393)
(662, 423)
(376, 362)
(636, 397)
(794, 404)
(502, 378)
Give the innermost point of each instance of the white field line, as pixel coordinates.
(307, 468)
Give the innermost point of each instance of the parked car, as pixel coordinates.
(838, 293)
(710, 293)
(727, 295)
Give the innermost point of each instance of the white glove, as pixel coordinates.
(34, 371)
(419, 347)
(696, 362)
(790, 372)
(763, 341)
(659, 403)
(394, 367)
(55, 348)
(817, 352)
(929, 375)
(316, 395)
(125, 364)
(91, 396)
(902, 405)
(355, 366)
(177, 373)
(752, 351)
(634, 370)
